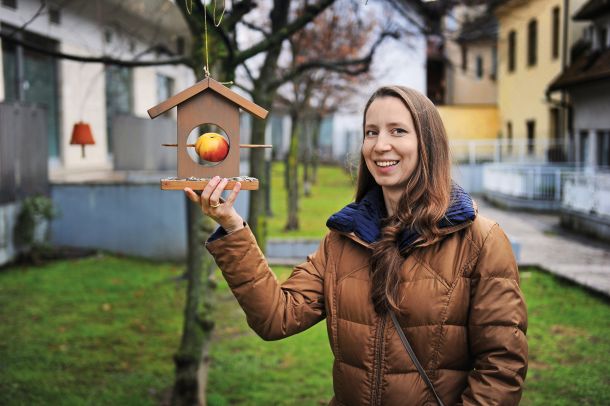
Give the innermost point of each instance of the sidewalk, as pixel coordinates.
(544, 244)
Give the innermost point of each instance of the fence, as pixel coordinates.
(525, 185)
(504, 150)
(23, 152)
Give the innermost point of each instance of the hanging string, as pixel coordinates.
(206, 68)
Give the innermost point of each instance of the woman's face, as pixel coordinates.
(390, 146)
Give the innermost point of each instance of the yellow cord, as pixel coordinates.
(206, 68)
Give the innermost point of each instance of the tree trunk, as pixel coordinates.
(315, 149)
(191, 360)
(292, 176)
(307, 158)
(256, 212)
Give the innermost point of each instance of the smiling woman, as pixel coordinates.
(410, 250)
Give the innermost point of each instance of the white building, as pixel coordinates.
(71, 91)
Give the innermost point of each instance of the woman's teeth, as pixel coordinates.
(386, 163)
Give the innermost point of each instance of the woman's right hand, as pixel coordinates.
(211, 205)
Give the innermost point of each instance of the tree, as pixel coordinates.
(333, 36)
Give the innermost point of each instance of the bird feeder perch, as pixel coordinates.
(208, 102)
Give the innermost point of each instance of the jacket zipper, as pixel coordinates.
(377, 363)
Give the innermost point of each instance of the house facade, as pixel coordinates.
(587, 82)
(534, 39)
(36, 36)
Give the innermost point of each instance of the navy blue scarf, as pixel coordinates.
(364, 218)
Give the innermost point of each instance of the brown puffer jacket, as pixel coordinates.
(464, 315)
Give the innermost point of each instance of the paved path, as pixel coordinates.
(544, 244)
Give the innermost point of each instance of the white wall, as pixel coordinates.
(82, 85)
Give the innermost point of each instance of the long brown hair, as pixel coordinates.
(423, 202)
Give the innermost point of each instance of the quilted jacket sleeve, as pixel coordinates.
(497, 326)
(273, 310)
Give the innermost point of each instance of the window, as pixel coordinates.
(555, 124)
(512, 45)
(555, 33)
(603, 148)
(54, 14)
(119, 96)
(509, 136)
(532, 39)
(585, 154)
(531, 136)
(494, 63)
(603, 38)
(479, 66)
(32, 77)
(10, 4)
(165, 87)
(464, 58)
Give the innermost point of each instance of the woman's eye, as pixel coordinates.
(398, 131)
(370, 133)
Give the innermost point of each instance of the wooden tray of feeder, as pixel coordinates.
(247, 183)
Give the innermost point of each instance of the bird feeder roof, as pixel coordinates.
(204, 85)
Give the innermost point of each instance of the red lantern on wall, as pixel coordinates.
(82, 135)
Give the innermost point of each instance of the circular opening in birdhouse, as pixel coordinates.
(208, 145)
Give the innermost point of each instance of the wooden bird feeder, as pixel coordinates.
(208, 102)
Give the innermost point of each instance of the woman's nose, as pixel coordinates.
(382, 143)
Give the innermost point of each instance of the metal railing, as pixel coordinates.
(504, 150)
(526, 181)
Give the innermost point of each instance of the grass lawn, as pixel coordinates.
(102, 331)
(333, 191)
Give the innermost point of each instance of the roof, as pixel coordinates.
(587, 68)
(483, 27)
(592, 9)
(208, 83)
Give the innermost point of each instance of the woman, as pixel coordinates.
(411, 245)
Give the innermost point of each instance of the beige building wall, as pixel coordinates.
(470, 122)
(465, 86)
(521, 93)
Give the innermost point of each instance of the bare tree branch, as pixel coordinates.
(238, 12)
(310, 12)
(106, 60)
(256, 28)
(351, 67)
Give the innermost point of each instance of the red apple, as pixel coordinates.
(212, 147)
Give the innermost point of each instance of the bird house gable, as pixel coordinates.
(208, 84)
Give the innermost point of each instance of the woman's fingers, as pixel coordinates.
(234, 194)
(215, 196)
(194, 197)
(208, 189)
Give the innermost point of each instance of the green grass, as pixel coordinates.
(569, 343)
(333, 191)
(103, 331)
(100, 331)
